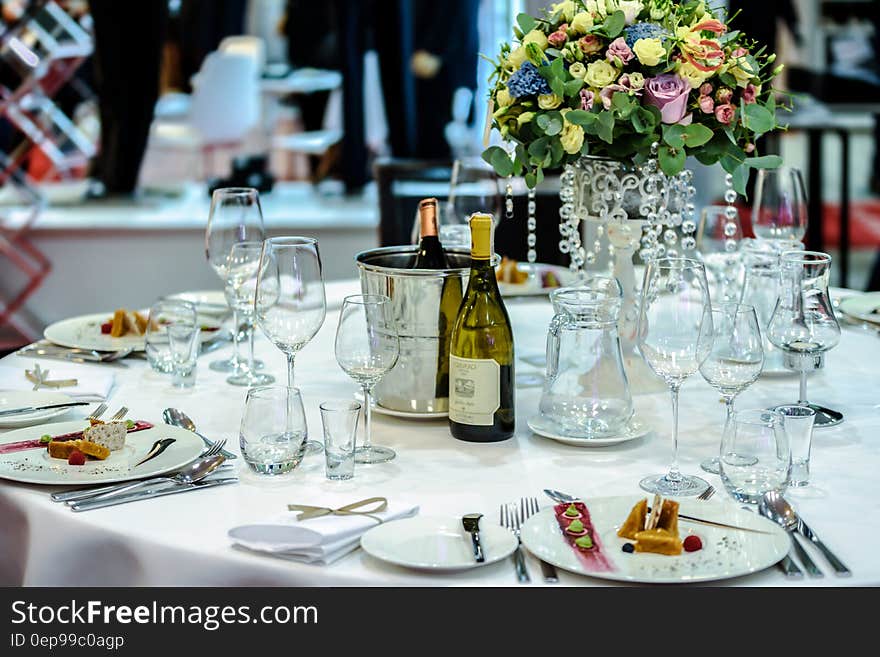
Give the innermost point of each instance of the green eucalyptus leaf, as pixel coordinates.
(614, 24)
(740, 179)
(671, 160)
(499, 159)
(580, 117)
(605, 126)
(526, 23)
(696, 135)
(764, 162)
(573, 86)
(674, 135)
(758, 118)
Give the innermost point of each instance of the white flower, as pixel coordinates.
(631, 9)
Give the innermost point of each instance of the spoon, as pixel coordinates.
(178, 418)
(190, 475)
(774, 507)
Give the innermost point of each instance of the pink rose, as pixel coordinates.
(618, 50)
(608, 92)
(724, 113)
(724, 95)
(749, 94)
(705, 89)
(587, 97)
(707, 104)
(559, 37)
(668, 93)
(590, 44)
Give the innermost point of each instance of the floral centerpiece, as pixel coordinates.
(628, 79)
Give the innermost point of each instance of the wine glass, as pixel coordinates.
(718, 234)
(803, 324)
(736, 358)
(780, 208)
(367, 347)
(235, 216)
(241, 290)
(290, 304)
(474, 187)
(674, 335)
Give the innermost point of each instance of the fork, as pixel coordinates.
(511, 521)
(706, 494)
(98, 412)
(118, 415)
(530, 507)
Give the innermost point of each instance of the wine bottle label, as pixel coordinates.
(474, 390)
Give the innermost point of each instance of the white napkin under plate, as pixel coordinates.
(92, 385)
(316, 540)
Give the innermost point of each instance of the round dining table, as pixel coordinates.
(182, 540)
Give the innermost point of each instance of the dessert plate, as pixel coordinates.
(436, 543)
(19, 399)
(84, 332)
(533, 285)
(725, 553)
(35, 466)
(865, 307)
(543, 427)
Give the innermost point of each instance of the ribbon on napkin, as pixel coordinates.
(307, 512)
(40, 378)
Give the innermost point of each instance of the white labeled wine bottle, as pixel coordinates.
(430, 255)
(481, 378)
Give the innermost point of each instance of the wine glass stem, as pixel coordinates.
(235, 337)
(250, 330)
(290, 358)
(728, 405)
(674, 473)
(802, 397)
(367, 417)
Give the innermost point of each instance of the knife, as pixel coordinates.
(839, 569)
(150, 493)
(471, 523)
(34, 409)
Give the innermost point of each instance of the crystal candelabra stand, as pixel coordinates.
(634, 207)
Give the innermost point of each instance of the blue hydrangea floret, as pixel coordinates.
(527, 81)
(638, 31)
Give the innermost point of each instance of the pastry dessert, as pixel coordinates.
(125, 322)
(107, 434)
(508, 272)
(94, 450)
(655, 529)
(63, 449)
(659, 541)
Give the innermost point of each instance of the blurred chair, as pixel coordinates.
(224, 108)
(246, 45)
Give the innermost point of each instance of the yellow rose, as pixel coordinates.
(524, 118)
(600, 74)
(503, 98)
(549, 101)
(516, 57)
(572, 138)
(537, 37)
(742, 72)
(636, 80)
(694, 76)
(581, 23)
(649, 51)
(566, 10)
(577, 70)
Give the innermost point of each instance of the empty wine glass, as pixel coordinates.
(241, 288)
(367, 347)
(718, 235)
(780, 208)
(803, 324)
(473, 187)
(290, 303)
(674, 336)
(736, 358)
(235, 216)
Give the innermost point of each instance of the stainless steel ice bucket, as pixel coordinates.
(415, 298)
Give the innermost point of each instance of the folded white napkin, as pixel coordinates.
(316, 540)
(92, 384)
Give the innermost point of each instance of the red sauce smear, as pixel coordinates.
(593, 558)
(140, 425)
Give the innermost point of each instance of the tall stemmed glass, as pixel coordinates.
(674, 336)
(718, 236)
(780, 208)
(367, 347)
(241, 292)
(736, 359)
(290, 305)
(235, 216)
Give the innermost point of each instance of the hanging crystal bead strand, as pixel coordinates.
(730, 214)
(508, 198)
(532, 239)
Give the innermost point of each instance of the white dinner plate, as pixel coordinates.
(725, 553)
(533, 284)
(865, 307)
(35, 466)
(543, 427)
(436, 543)
(84, 332)
(19, 399)
(207, 302)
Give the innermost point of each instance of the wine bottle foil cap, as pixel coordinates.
(481, 235)
(428, 201)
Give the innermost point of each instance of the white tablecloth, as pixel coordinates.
(181, 540)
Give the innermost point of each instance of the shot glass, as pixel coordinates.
(183, 343)
(164, 313)
(798, 421)
(273, 429)
(340, 420)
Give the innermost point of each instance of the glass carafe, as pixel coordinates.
(586, 394)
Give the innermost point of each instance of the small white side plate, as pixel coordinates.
(862, 306)
(541, 426)
(19, 399)
(436, 543)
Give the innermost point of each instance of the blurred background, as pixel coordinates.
(117, 119)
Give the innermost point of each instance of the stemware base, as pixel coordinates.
(825, 417)
(686, 486)
(226, 365)
(373, 454)
(250, 378)
(712, 466)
